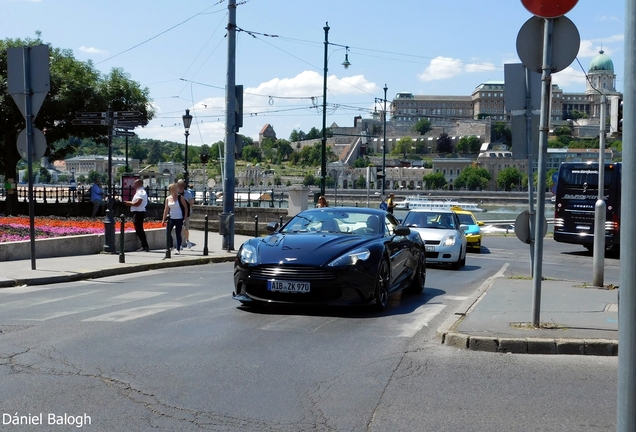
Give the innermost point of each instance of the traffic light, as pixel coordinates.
(204, 158)
(379, 174)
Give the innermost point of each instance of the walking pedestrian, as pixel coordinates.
(390, 203)
(97, 197)
(189, 197)
(138, 208)
(176, 207)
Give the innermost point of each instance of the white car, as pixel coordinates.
(444, 237)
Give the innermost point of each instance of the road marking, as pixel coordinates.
(113, 301)
(144, 311)
(454, 298)
(24, 303)
(424, 314)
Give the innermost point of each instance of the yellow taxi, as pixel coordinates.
(473, 233)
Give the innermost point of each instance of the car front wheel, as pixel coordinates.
(419, 280)
(382, 286)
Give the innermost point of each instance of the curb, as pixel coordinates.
(114, 271)
(563, 346)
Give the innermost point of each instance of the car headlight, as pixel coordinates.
(351, 258)
(450, 240)
(247, 255)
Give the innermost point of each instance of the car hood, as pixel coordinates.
(312, 249)
(429, 234)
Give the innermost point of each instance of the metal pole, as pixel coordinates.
(368, 183)
(626, 407)
(546, 87)
(122, 239)
(230, 127)
(529, 167)
(186, 176)
(28, 92)
(323, 144)
(600, 208)
(127, 152)
(205, 237)
(384, 142)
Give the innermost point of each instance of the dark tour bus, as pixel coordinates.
(576, 195)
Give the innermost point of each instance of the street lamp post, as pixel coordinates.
(187, 121)
(384, 142)
(323, 147)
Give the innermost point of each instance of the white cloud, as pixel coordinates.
(608, 18)
(591, 47)
(442, 68)
(569, 77)
(92, 50)
(309, 83)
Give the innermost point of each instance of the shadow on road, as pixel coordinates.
(399, 304)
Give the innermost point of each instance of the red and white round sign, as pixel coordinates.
(549, 8)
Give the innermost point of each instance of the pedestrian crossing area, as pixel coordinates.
(95, 303)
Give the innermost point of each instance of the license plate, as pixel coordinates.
(288, 286)
(429, 248)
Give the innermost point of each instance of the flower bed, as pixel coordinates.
(16, 228)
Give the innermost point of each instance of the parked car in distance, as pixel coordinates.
(332, 255)
(444, 236)
(473, 233)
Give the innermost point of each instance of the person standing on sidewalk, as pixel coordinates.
(97, 196)
(189, 197)
(138, 208)
(176, 206)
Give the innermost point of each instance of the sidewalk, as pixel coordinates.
(80, 267)
(576, 319)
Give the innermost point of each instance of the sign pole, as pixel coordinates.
(230, 131)
(544, 126)
(529, 167)
(600, 208)
(28, 92)
(626, 406)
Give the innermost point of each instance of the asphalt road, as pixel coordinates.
(170, 350)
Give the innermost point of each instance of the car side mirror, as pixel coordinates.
(463, 227)
(272, 227)
(480, 223)
(402, 230)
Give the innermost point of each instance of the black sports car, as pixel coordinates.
(328, 255)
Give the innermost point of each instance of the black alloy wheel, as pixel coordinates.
(419, 280)
(382, 285)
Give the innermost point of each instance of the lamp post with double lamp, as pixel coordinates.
(187, 121)
(73, 184)
(323, 148)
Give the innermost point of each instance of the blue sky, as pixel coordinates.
(438, 47)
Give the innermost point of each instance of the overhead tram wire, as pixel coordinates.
(164, 32)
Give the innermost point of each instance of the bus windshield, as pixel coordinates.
(584, 178)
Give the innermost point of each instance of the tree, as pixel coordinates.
(154, 153)
(284, 149)
(309, 180)
(502, 132)
(468, 144)
(509, 177)
(403, 146)
(313, 133)
(359, 163)
(136, 151)
(251, 153)
(473, 178)
(422, 127)
(361, 183)
(444, 144)
(45, 175)
(74, 86)
(277, 180)
(329, 182)
(434, 180)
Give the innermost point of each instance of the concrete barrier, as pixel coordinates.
(86, 244)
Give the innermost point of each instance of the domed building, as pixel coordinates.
(601, 74)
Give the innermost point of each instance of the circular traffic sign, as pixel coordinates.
(565, 43)
(549, 8)
(39, 144)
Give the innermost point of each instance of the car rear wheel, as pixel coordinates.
(419, 280)
(382, 286)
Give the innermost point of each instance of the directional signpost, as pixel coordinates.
(118, 123)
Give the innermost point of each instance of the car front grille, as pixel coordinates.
(432, 242)
(307, 274)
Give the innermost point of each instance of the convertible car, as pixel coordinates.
(331, 256)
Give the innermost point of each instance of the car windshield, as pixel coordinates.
(430, 219)
(334, 221)
(466, 219)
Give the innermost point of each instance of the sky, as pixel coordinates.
(179, 51)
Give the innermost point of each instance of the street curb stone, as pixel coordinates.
(595, 347)
(114, 271)
(513, 346)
